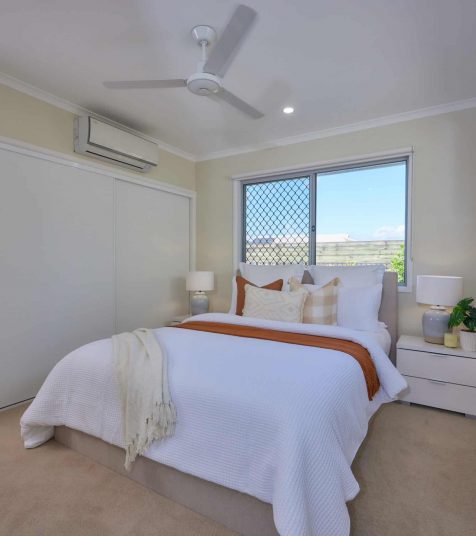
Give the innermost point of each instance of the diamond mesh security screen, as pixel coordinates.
(276, 221)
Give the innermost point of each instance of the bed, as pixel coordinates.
(256, 432)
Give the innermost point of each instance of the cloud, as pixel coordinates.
(388, 232)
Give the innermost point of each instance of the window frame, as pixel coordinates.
(311, 170)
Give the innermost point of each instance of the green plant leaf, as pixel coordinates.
(470, 323)
(465, 302)
(456, 317)
(463, 313)
(472, 312)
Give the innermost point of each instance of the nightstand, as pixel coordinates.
(178, 319)
(437, 376)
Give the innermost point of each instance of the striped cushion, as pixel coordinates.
(320, 306)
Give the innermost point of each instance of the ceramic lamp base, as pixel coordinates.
(199, 303)
(435, 325)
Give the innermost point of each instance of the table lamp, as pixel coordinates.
(440, 292)
(199, 282)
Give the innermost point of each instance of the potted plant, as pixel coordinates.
(464, 313)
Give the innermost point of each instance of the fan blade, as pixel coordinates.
(224, 51)
(238, 103)
(145, 84)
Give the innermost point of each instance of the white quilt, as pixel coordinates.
(277, 421)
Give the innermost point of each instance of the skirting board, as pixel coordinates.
(237, 511)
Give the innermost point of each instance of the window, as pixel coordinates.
(276, 223)
(352, 214)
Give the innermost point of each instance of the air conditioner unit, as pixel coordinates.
(98, 139)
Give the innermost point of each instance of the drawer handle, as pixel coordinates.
(437, 382)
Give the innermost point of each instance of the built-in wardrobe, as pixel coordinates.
(85, 252)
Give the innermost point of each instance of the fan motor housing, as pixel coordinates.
(203, 34)
(204, 84)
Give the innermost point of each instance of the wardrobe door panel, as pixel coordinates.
(152, 255)
(56, 267)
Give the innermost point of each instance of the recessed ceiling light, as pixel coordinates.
(288, 110)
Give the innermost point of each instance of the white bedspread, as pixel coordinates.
(279, 422)
(382, 337)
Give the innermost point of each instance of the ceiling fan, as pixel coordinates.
(207, 81)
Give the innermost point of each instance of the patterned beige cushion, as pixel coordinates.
(274, 304)
(320, 306)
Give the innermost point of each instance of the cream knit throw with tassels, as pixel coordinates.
(147, 411)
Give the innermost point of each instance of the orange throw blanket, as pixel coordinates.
(358, 352)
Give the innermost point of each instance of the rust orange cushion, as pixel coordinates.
(240, 291)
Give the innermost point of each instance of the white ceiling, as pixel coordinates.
(337, 62)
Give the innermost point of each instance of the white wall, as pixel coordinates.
(444, 198)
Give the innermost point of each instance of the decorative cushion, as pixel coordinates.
(241, 282)
(349, 276)
(320, 306)
(272, 305)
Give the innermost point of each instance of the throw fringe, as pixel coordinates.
(160, 424)
(148, 413)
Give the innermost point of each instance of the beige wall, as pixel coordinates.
(444, 198)
(34, 121)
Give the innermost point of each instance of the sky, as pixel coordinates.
(366, 204)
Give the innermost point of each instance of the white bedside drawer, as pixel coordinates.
(440, 395)
(447, 368)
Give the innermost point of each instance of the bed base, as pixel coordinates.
(237, 511)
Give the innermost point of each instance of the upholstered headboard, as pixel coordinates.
(389, 309)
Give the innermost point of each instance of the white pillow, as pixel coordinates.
(274, 304)
(263, 274)
(358, 307)
(349, 276)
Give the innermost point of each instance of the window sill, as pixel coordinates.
(405, 289)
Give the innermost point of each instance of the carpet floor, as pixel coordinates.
(416, 469)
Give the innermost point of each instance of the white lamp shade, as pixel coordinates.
(200, 281)
(439, 289)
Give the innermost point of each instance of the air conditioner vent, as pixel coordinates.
(98, 139)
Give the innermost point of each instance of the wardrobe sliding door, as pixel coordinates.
(152, 255)
(56, 267)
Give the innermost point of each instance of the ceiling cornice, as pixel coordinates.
(420, 113)
(38, 93)
(345, 129)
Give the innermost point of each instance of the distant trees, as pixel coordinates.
(397, 264)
